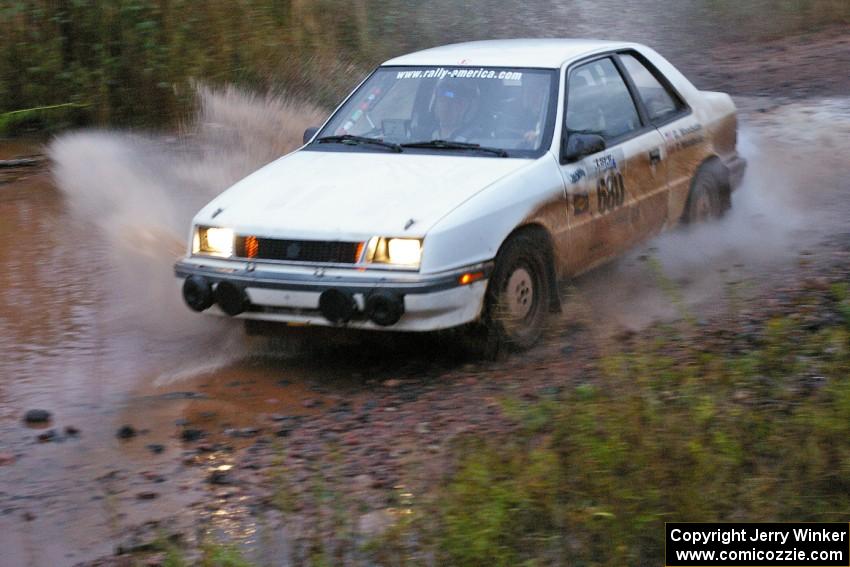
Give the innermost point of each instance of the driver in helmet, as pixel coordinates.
(454, 105)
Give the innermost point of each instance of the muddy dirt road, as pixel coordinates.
(160, 415)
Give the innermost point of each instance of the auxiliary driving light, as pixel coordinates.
(337, 306)
(197, 293)
(384, 308)
(231, 298)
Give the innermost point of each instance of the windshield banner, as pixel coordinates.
(464, 73)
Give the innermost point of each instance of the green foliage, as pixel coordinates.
(133, 61)
(220, 555)
(283, 496)
(44, 118)
(841, 293)
(666, 433)
(498, 503)
(213, 554)
(174, 558)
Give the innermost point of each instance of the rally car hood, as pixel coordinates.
(353, 195)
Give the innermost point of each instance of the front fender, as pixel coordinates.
(474, 231)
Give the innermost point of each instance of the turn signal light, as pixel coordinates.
(470, 277)
(252, 246)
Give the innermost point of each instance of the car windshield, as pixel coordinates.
(495, 108)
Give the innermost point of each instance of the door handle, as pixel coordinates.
(654, 156)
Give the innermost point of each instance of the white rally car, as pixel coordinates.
(461, 184)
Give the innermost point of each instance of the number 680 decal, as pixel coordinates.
(610, 191)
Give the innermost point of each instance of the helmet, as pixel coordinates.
(457, 88)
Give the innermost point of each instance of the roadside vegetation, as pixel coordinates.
(211, 555)
(748, 423)
(132, 62)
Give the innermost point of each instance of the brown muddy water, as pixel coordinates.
(66, 347)
(93, 329)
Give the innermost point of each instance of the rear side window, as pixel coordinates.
(660, 103)
(598, 101)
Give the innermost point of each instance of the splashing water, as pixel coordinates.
(790, 200)
(139, 193)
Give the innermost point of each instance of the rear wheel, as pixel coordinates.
(518, 295)
(709, 196)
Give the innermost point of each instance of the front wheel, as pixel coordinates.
(518, 296)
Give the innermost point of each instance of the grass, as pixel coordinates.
(212, 554)
(283, 496)
(721, 427)
(841, 294)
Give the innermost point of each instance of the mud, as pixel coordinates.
(93, 331)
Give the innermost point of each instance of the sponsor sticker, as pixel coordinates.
(462, 73)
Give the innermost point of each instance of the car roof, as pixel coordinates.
(543, 53)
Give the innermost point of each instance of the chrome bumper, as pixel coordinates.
(292, 294)
(324, 279)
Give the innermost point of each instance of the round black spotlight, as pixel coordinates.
(384, 308)
(337, 306)
(231, 298)
(197, 293)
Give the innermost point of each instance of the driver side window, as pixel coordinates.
(598, 101)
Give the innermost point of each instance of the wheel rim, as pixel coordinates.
(519, 294)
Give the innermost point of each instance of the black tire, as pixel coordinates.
(519, 294)
(709, 196)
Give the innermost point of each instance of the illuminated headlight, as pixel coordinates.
(213, 241)
(396, 251)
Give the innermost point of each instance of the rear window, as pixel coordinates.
(660, 103)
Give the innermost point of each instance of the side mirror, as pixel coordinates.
(580, 145)
(309, 133)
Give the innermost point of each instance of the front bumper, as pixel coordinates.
(290, 294)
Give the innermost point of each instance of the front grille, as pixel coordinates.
(321, 251)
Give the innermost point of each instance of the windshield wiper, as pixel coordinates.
(449, 145)
(356, 140)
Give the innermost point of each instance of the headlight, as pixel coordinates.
(397, 251)
(213, 241)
